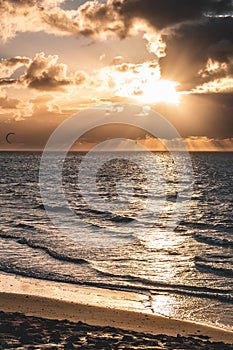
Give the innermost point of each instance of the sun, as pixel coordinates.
(162, 91)
(143, 84)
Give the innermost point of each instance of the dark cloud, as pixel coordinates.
(16, 61)
(6, 82)
(201, 114)
(191, 45)
(167, 13)
(42, 73)
(60, 21)
(118, 17)
(9, 66)
(45, 73)
(98, 19)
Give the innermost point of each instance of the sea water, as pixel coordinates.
(185, 272)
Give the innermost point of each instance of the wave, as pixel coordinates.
(130, 278)
(49, 251)
(228, 273)
(52, 208)
(108, 215)
(171, 198)
(194, 224)
(223, 239)
(213, 264)
(24, 226)
(108, 279)
(146, 288)
(40, 206)
(121, 219)
(117, 218)
(220, 227)
(95, 211)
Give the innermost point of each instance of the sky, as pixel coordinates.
(59, 57)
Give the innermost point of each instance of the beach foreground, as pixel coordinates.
(42, 301)
(18, 331)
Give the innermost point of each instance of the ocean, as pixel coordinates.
(185, 272)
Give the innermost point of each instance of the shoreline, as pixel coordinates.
(96, 307)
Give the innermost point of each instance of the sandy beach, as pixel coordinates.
(95, 307)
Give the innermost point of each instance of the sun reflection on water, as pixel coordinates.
(165, 305)
(158, 239)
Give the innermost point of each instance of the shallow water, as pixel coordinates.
(187, 272)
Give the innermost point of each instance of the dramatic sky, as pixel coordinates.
(59, 57)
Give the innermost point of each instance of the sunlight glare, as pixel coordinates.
(161, 91)
(141, 83)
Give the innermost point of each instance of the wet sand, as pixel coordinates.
(96, 307)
